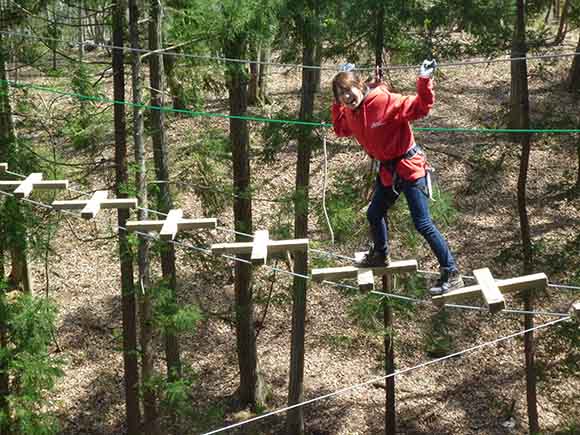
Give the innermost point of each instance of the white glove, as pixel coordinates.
(427, 68)
(346, 67)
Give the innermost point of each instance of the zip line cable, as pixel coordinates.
(391, 375)
(19, 85)
(283, 65)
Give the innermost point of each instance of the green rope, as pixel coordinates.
(279, 121)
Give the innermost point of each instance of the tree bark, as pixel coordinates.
(150, 422)
(164, 198)
(250, 391)
(253, 97)
(126, 262)
(520, 117)
(380, 42)
(266, 56)
(563, 23)
(14, 223)
(390, 416)
(310, 36)
(574, 77)
(175, 87)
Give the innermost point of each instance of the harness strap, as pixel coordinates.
(391, 165)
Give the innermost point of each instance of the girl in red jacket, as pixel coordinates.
(380, 122)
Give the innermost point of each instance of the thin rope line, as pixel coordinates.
(324, 185)
(381, 378)
(287, 65)
(271, 120)
(473, 307)
(563, 286)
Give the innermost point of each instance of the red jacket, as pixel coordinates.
(381, 124)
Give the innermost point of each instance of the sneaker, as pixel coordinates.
(374, 259)
(447, 282)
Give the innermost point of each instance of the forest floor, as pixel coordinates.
(482, 392)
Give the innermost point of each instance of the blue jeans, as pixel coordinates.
(418, 201)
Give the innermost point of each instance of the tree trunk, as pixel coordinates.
(130, 352)
(563, 23)
(253, 97)
(4, 375)
(310, 36)
(390, 416)
(20, 274)
(574, 77)
(266, 56)
(175, 86)
(164, 199)
(250, 391)
(520, 117)
(150, 423)
(578, 168)
(380, 42)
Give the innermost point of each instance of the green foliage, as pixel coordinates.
(171, 316)
(208, 167)
(487, 167)
(88, 132)
(32, 370)
(344, 202)
(438, 341)
(277, 136)
(367, 312)
(175, 396)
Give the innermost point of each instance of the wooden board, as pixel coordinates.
(51, 185)
(169, 228)
(94, 204)
(527, 282)
(69, 205)
(259, 253)
(275, 247)
(197, 224)
(576, 311)
(144, 226)
(493, 297)
(403, 266)
(182, 225)
(10, 184)
(3, 167)
(123, 203)
(27, 185)
(365, 277)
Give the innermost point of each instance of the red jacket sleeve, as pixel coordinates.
(410, 108)
(339, 121)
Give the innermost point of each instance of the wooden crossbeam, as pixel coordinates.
(23, 188)
(260, 247)
(491, 293)
(27, 185)
(527, 282)
(365, 277)
(90, 208)
(93, 205)
(3, 167)
(169, 227)
(330, 273)
(275, 247)
(576, 311)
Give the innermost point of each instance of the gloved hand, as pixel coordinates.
(346, 67)
(427, 68)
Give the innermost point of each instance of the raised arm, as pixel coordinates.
(409, 108)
